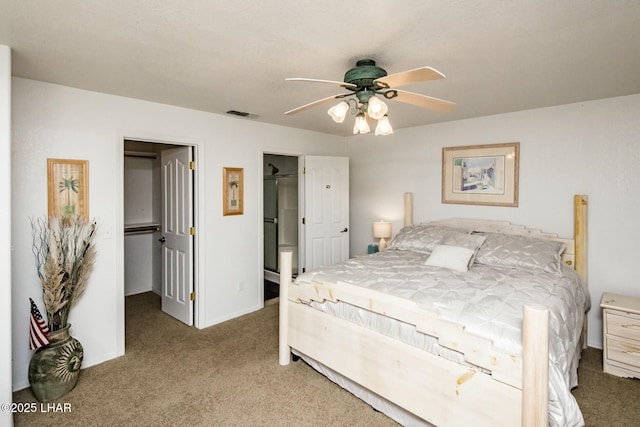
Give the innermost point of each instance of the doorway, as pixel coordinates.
(280, 226)
(146, 262)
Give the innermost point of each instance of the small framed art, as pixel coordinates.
(481, 174)
(232, 197)
(68, 187)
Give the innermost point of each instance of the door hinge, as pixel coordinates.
(304, 170)
(192, 166)
(304, 220)
(192, 296)
(192, 231)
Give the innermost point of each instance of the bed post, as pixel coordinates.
(408, 209)
(580, 238)
(580, 234)
(535, 366)
(284, 351)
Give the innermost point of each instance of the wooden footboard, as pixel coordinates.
(508, 390)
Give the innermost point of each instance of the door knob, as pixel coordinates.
(345, 230)
(162, 239)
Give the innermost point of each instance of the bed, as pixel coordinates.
(458, 323)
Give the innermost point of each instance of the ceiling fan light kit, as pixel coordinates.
(365, 81)
(372, 108)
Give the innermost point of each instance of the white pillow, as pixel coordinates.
(469, 241)
(452, 257)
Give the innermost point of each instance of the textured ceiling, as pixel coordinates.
(497, 55)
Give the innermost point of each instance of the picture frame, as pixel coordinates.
(481, 174)
(233, 191)
(68, 187)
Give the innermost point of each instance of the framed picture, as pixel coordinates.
(481, 174)
(232, 197)
(68, 187)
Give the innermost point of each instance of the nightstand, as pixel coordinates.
(621, 335)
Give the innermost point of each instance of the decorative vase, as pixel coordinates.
(55, 367)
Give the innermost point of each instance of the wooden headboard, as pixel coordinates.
(489, 226)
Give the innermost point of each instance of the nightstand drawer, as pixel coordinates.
(623, 326)
(623, 352)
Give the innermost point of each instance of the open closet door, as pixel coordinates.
(326, 210)
(177, 219)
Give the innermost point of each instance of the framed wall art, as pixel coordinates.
(232, 197)
(68, 187)
(481, 174)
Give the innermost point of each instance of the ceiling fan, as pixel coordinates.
(367, 83)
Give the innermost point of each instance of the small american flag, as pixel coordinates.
(39, 329)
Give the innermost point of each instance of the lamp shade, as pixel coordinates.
(382, 230)
(361, 126)
(384, 127)
(339, 111)
(376, 109)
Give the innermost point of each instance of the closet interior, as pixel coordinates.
(142, 217)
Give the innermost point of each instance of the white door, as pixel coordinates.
(326, 211)
(177, 219)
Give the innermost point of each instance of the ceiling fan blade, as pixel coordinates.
(424, 101)
(303, 79)
(417, 75)
(316, 103)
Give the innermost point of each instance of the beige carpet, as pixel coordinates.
(228, 375)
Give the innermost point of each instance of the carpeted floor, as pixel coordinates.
(606, 400)
(228, 375)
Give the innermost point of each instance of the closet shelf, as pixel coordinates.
(128, 153)
(141, 228)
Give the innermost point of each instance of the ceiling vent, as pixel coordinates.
(242, 114)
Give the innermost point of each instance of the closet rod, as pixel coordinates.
(139, 229)
(140, 154)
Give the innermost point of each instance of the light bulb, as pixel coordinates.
(339, 111)
(376, 108)
(384, 127)
(361, 126)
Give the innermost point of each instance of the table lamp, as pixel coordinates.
(382, 231)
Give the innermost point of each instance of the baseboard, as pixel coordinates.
(215, 321)
(130, 292)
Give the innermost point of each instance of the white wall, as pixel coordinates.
(590, 148)
(61, 122)
(6, 419)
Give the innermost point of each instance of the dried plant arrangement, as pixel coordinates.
(65, 254)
